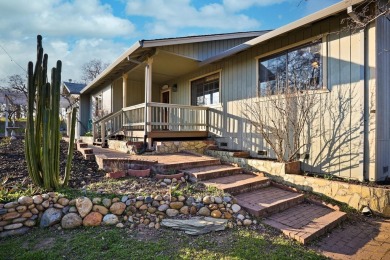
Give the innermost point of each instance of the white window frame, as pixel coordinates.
(219, 85)
(324, 56)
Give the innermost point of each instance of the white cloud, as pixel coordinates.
(74, 31)
(235, 5)
(85, 18)
(170, 16)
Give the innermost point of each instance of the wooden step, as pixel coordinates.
(267, 201)
(305, 222)
(239, 183)
(211, 172)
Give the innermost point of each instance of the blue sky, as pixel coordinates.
(76, 31)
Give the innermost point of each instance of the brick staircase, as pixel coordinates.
(85, 151)
(282, 209)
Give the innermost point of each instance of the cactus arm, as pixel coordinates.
(70, 148)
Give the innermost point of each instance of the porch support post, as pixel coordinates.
(124, 89)
(103, 133)
(148, 99)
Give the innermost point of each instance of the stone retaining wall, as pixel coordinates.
(54, 209)
(356, 196)
(125, 146)
(177, 146)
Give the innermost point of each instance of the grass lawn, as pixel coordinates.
(114, 243)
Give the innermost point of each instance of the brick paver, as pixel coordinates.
(305, 222)
(365, 239)
(238, 182)
(268, 200)
(213, 171)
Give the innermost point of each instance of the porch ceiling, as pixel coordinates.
(166, 66)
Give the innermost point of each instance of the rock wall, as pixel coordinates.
(125, 146)
(356, 196)
(54, 209)
(87, 139)
(177, 146)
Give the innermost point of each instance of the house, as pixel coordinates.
(195, 87)
(71, 98)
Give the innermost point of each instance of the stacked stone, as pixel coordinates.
(131, 210)
(178, 146)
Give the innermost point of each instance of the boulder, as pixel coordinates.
(84, 206)
(163, 207)
(172, 212)
(110, 219)
(106, 202)
(50, 217)
(93, 219)
(216, 214)
(204, 211)
(236, 208)
(25, 200)
(37, 199)
(71, 220)
(117, 208)
(176, 205)
(196, 226)
(101, 209)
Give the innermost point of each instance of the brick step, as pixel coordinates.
(239, 183)
(82, 145)
(106, 163)
(305, 222)
(267, 201)
(212, 172)
(206, 161)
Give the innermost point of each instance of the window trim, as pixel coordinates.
(219, 85)
(324, 54)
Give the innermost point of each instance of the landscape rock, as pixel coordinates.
(50, 217)
(37, 199)
(236, 208)
(13, 226)
(101, 209)
(96, 200)
(30, 223)
(11, 205)
(196, 226)
(110, 219)
(117, 208)
(163, 207)
(208, 200)
(11, 215)
(71, 220)
(247, 222)
(84, 206)
(185, 210)
(204, 211)
(19, 231)
(63, 201)
(176, 205)
(25, 200)
(216, 214)
(107, 202)
(93, 219)
(172, 212)
(120, 225)
(218, 200)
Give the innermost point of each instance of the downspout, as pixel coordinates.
(366, 105)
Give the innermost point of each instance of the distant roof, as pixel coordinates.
(74, 88)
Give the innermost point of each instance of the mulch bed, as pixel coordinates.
(13, 167)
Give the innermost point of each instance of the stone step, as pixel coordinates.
(86, 150)
(239, 183)
(305, 222)
(202, 162)
(212, 172)
(267, 201)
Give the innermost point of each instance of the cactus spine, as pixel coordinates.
(42, 142)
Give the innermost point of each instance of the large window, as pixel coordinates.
(205, 91)
(299, 68)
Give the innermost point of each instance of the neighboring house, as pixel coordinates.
(70, 99)
(195, 87)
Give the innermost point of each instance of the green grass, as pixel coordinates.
(114, 243)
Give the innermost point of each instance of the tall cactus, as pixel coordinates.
(42, 142)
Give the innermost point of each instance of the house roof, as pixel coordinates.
(74, 88)
(140, 50)
(324, 13)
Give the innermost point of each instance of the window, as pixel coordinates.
(298, 69)
(205, 91)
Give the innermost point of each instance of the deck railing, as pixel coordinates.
(161, 117)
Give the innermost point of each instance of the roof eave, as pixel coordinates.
(336, 8)
(127, 53)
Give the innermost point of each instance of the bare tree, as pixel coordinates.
(92, 69)
(286, 101)
(14, 93)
